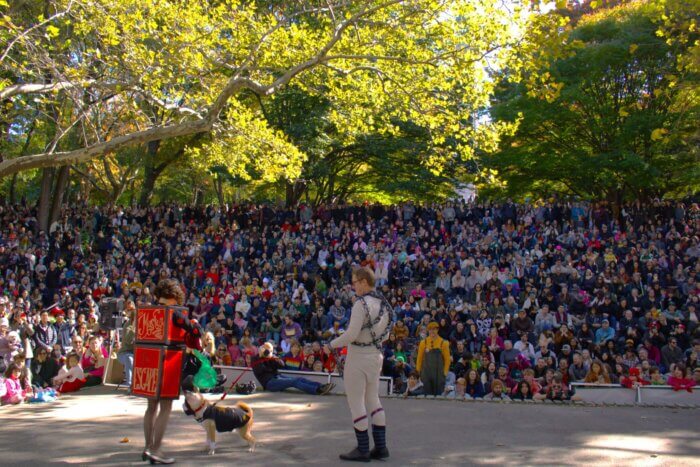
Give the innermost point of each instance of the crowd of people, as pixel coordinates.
(490, 300)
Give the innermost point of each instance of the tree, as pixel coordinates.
(188, 68)
(613, 114)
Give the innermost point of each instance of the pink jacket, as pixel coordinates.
(14, 391)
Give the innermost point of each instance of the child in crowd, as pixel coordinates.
(634, 379)
(14, 392)
(414, 387)
(656, 378)
(70, 377)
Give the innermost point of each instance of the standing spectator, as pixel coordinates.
(125, 350)
(64, 332)
(44, 333)
(433, 361)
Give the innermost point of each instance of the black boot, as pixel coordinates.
(356, 456)
(361, 452)
(380, 451)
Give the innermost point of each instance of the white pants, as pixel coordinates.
(362, 369)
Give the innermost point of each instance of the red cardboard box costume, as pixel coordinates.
(162, 332)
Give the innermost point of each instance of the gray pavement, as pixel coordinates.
(294, 429)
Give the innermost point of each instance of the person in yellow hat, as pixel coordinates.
(433, 362)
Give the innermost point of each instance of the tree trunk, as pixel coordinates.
(150, 174)
(11, 194)
(45, 198)
(293, 192)
(198, 197)
(219, 187)
(59, 193)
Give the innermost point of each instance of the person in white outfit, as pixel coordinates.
(368, 329)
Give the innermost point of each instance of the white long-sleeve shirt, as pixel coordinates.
(355, 332)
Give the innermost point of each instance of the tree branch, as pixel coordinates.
(200, 125)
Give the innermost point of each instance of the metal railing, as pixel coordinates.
(651, 394)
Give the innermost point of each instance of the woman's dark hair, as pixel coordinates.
(169, 289)
(11, 368)
(520, 387)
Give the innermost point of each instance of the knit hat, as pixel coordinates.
(433, 325)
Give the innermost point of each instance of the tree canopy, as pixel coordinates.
(612, 113)
(323, 100)
(120, 73)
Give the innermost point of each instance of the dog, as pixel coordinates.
(220, 419)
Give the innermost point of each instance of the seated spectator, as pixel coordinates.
(14, 393)
(671, 353)
(523, 391)
(93, 361)
(678, 380)
(509, 354)
(556, 390)
(525, 348)
(70, 377)
(577, 370)
(43, 369)
(222, 356)
(597, 374)
(656, 378)
(633, 379)
(414, 387)
(604, 334)
(291, 331)
(474, 388)
(529, 378)
(293, 360)
(266, 366)
(498, 392)
(401, 331)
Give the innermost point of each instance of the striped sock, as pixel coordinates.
(362, 440)
(379, 435)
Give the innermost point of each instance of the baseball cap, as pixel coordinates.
(566, 347)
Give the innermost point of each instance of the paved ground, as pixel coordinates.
(298, 429)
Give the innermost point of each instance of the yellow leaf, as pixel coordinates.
(658, 134)
(52, 31)
(561, 4)
(594, 4)
(624, 113)
(633, 47)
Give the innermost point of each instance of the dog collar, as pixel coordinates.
(204, 404)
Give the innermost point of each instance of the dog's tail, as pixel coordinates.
(245, 407)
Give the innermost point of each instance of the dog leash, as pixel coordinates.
(240, 376)
(223, 396)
